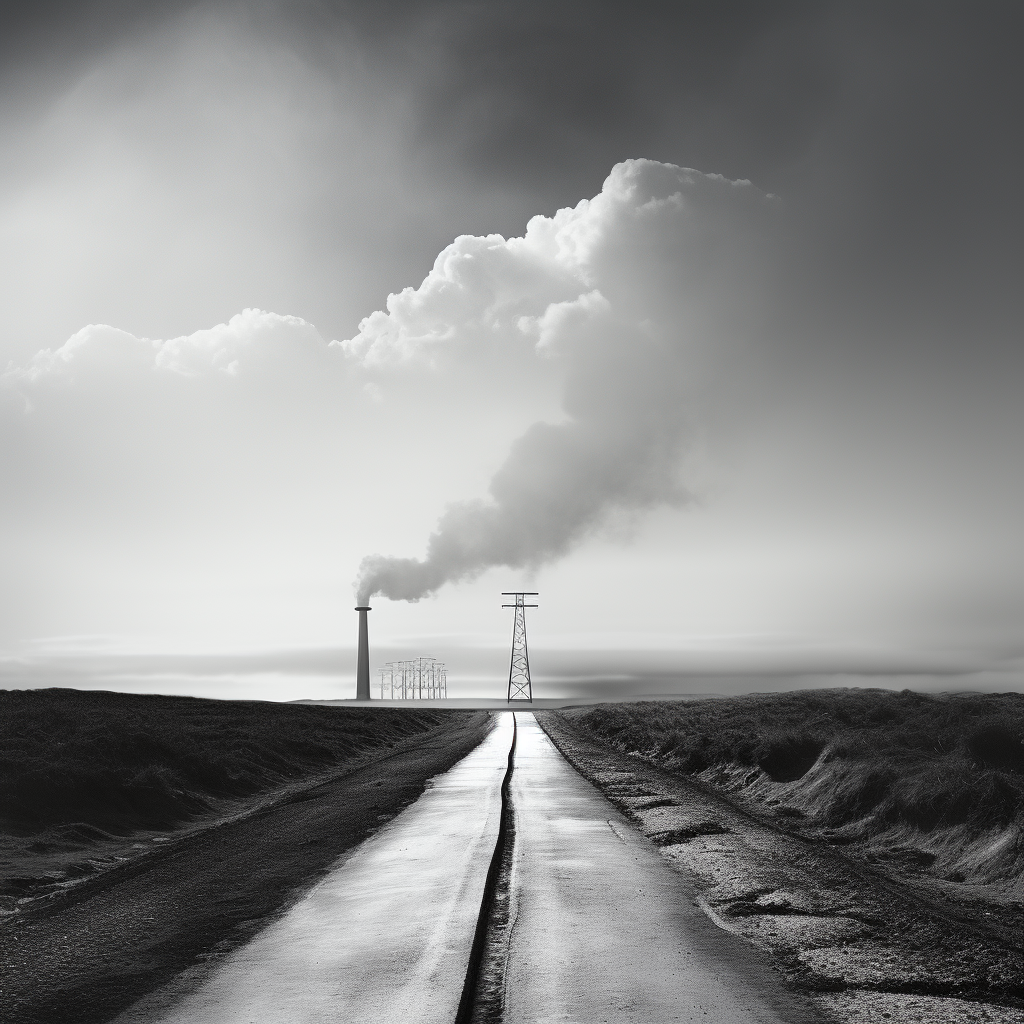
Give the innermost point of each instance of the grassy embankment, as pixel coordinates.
(81, 772)
(934, 783)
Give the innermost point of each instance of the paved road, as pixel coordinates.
(386, 936)
(604, 929)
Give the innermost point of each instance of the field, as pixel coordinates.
(936, 782)
(85, 776)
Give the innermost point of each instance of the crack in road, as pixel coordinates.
(476, 1005)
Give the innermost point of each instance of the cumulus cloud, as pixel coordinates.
(631, 293)
(99, 348)
(625, 299)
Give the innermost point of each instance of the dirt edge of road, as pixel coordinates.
(86, 958)
(863, 950)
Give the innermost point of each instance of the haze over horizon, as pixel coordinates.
(705, 324)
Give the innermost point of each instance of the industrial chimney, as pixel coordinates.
(363, 659)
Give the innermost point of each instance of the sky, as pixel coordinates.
(702, 320)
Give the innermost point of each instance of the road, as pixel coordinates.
(602, 928)
(385, 936)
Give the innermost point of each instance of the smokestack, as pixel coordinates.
(363, 660)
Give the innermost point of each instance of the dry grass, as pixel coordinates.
(938, 778)
(82, 766)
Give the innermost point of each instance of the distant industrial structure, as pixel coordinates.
(416, 679)
(519, 687)
(363, 656)
(427, 678)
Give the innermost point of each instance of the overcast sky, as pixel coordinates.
(705, 321)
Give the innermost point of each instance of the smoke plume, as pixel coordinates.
(634, 296)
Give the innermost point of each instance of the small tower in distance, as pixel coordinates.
(519, 670)
(363, 657)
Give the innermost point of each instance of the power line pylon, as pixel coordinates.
(519, 670)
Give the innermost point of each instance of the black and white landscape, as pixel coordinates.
(701, 322)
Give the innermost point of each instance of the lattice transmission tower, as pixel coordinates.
(519, 671)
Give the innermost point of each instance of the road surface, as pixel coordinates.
(385, 936)
(602, 929)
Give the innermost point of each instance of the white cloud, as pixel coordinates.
(478, 287)
(188, 484)
(96, 345)
(226, 348)
(626, 289)
(617, 294)
(562, 320)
